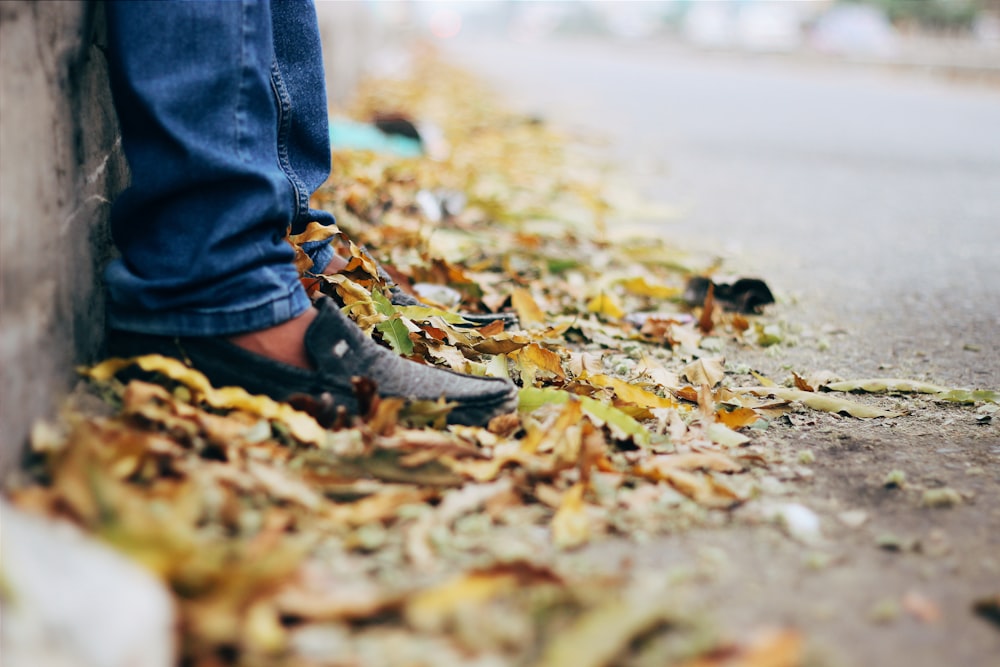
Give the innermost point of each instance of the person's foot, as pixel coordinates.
(335, 351)
(284, 343)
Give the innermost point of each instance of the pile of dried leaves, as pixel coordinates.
(302, 536)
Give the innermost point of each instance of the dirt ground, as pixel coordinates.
(871, 230)
(899, 588)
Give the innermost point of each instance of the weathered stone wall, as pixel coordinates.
(60, 166)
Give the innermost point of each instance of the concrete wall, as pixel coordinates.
(60, 166)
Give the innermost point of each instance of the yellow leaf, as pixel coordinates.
(723, 435)
(570, 525)
(639, 286)
(262, 629)
(528, 311)
(605, 304)
(314, 231)
(603, 633)
(534, 358)
(631, 393)
(302, 426)
(767, 382)
(738, 418)
(433, 609)
(357, 301)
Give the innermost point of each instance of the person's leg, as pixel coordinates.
(201, 228)
(223, 159)
(303, 131)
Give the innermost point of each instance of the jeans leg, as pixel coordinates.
(303, 132)
(201, 227)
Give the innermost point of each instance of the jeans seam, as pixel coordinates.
(239, 120)
(284, 128)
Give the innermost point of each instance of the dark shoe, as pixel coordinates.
(339, 351)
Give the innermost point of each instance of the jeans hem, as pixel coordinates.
(215, 322)
(321, 253)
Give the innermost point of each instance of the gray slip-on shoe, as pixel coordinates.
(339, 351)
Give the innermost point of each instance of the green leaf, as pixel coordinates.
(622, 426)
(966, 396)
(383, 306)
(561, 264)
(395, 333)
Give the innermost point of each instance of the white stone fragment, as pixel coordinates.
(798, 521)
(69, 601)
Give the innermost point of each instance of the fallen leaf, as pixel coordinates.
(528, 311)
(641, 287)
(820, 402)
(606, 305)
(621, 425)
(395, 332)
(533, 358)
(435, 609)
(571, 525)
(707, 370)
(801, 384)
(737, 418)
(723, 435)
(301, 425)
(695, 461)
(631, 393)
(880, 385)
(601, 634)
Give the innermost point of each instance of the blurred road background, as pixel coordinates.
(872, 196)
(851, 161)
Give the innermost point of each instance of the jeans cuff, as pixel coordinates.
(214, 322)
(321, 252)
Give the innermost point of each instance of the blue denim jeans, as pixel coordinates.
(223, 116)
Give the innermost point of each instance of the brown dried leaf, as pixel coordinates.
(802, 384)
(707, 370)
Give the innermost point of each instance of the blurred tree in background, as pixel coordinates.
(935, 15)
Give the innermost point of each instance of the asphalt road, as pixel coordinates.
(871, 198)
